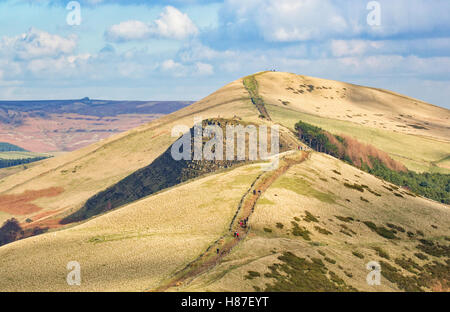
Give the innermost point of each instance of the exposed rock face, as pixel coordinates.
(162, 173)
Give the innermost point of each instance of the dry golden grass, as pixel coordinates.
(138, 246)
(303, 188)
(20, 203)
(416, 152)
(87, 171)
(366, 106)
(133, 248)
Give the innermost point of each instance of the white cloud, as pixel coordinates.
(424, 47)
(171, 65)
(299, 20)
(129, 30)
(177, 69)
(63, 66)
(37, 44)
(341, 48)
(285, 20)
(304, 20)
(175, 24)
(196, 51)
(173, 68)
(171, 24)
(203, 69)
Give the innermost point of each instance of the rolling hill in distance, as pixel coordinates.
(343, 195)
(12, 156)
(66, 125)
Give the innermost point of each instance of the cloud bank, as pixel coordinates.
(187, 49)
(172, 24)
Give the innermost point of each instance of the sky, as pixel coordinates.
(187, 49)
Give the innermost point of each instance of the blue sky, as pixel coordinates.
(186, 49)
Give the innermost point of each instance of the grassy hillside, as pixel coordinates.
(15, 158)
(310, 220)
(133, 248)
(307, 213)
(369, 107)
(162, 173)
(87, 171)
(435, 186)
(314, 222)
(418, 153)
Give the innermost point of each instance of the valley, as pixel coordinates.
(67, 125)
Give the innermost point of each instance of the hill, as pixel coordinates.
(314, 213)
(67, 125)
(7, 147)
(13, 155)
(307, 212)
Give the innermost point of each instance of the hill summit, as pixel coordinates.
(359, 190)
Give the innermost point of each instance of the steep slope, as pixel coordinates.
(307, 211)
(366, 106)
(411, 131)
(312, 213)
(133, 248)
(165, 172)
(87, 171)
(370, 213)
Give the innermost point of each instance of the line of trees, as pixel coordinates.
(12, 231)
(9, 231)
(435, 186)
(5, 163)
(317, 139)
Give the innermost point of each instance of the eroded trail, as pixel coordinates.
(210, 258)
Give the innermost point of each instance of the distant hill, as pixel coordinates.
(7, 147)
(67, 125)
(87, 106)
(12, 155)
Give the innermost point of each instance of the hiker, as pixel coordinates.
(254, 192)
(218, 250)
(237, 234)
